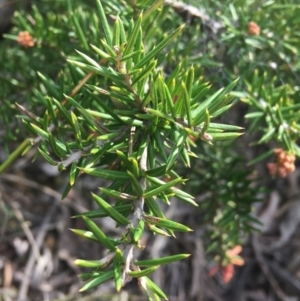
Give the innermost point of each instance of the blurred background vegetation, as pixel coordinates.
(254, 40)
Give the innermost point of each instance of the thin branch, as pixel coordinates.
(22, 296)
(138, 204)
(135, 217)
(27, 231)
(128, 254)
(45, 189)
(13, 156)
(263, 265)
(193, 12)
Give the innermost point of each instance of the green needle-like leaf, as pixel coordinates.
(58, 147)
(85, 234)
(88, 59)
(89, 276)
(116, 32)
(167, 224)
(159, 114)
(153, 8)
(145, 72)
(267, 136)
(98, 280)
(224, 127)
(155, 288)
(113, 213)
(73, 173)
(162, 260)
(101, 213)
(80, 32)
(138, 231)
(89, 263)
(40, 132)
(135, 184)
(157, 172)
(117, 273)
(76, 128)
(104, 23)
(154, 207)
(261, 157)
(225, 136)
(102, 53)
(118, 194)
(155, 191)
(158, 48)
(145, 272)
(47, 157)
(106, 72)
(133, 36)
(105, 173)
(98, 233)
(159, 231)
(216, 99)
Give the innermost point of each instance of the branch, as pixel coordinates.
(190, 12)
(21, 148)
(135, 217)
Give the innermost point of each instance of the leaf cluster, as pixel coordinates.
(127, 123)
(122, 92)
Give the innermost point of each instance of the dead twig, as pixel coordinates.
(22, 296)
(265, 268)
(285, 276)
(198, 263)
(193, 12)
(45, 189)
(18, 214)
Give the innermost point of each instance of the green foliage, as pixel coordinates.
(267, 64)
(121, 92)
(228, 204)
(128, 125)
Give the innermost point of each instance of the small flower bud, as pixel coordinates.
(228, 272)
(253, 29)
(25, 39)
(282, 172)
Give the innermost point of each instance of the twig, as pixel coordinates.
(128, 255)
(20, 149)
(27, 231)
(135, 217)
(198, 263)
(263, 265)
(4, 217)
(14, 155)
(138, 204)
(285, 276)
(47, 190)
(193, 12)
(22, 296)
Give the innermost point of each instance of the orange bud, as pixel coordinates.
(235, 251)
(290, 158)
(228, 272)
(253, 29)
(25, 39)
(278, 151)
(282, 172)
(281, 157)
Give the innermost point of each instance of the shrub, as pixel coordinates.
(122, 94)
